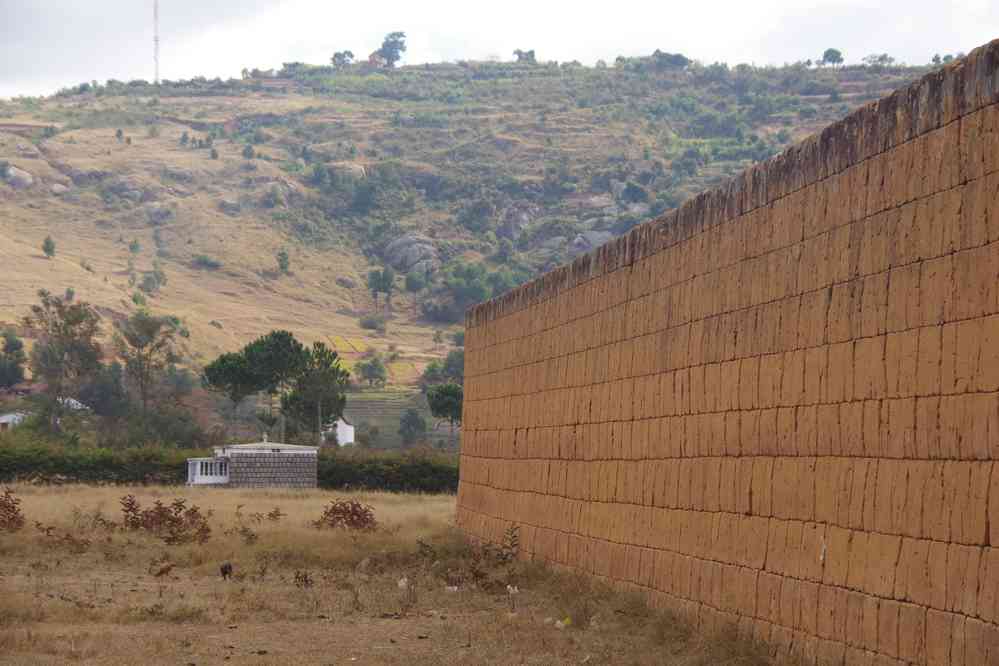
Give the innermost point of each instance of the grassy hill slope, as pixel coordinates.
(489, 172)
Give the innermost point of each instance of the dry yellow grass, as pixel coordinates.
(223, 309)
(103, 603)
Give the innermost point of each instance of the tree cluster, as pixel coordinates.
(381, 281)
(136, 396)
(308, 383)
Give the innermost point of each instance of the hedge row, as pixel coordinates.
(398, 472)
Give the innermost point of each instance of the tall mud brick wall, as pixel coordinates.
(778, 406)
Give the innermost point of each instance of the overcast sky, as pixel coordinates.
(48, 44)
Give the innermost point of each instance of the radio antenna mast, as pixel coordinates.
(156, 40)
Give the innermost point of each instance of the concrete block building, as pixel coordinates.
(258, 465)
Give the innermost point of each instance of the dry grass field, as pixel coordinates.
(76, 589)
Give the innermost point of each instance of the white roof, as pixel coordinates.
(265, 447)
(271, 445)
(12, 417)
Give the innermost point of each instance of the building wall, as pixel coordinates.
(260, 470)
(779, 405)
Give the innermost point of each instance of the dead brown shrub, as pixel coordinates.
(11, 517)
(347, 515)
(175, 523)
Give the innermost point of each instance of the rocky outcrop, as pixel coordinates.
(132, 190)
(85, 177)
(28, 150)
(230, 207)
(178, 174)
(412, 252)
(17, 178)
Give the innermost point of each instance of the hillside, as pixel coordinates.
(482, 174)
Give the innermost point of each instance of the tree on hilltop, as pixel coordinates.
(832, 57)
(525, 57)
(342, 59)
(393, 46)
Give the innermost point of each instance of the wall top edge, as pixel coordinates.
(937, 99)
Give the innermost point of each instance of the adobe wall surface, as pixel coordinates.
(263, 470)
(779, 405)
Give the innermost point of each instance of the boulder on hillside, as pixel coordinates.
(230, 207)
(412, 250)
(130, 190)
(178, 174)
(19, 179)
(83, 178)
(27, 150)
(58, 189)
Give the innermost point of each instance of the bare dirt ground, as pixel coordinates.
(75, 588)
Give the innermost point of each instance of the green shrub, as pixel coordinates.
(204, 262)
(415, 281)
(48, 462)
(340, 469)
(373, 322)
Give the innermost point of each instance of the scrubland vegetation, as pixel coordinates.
(105, 575)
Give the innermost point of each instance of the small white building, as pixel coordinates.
(344, 432)
(11, 420)
(257, 465)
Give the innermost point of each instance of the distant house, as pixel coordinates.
(11, 420)
(258, 465)
(377, 60)
(73, 404)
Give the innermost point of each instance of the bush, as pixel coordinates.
(175, 523)
(415, 281)
(391, 471)
(11, 518)
(46, 462)
(347, 515)
(373, 323)
(204, 262)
